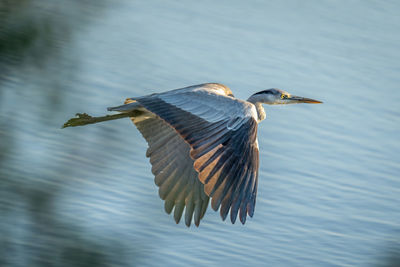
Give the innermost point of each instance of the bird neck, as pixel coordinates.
(260, 111)
(257, 102)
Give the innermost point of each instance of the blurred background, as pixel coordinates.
(329, 175)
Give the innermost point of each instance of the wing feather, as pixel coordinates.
(222, 134)
(173, 169)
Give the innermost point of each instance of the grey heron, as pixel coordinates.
(202, 144)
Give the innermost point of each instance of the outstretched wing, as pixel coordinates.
(222, 134)
(172, 167)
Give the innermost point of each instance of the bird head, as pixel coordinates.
(275, 96)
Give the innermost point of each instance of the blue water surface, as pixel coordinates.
(329, 183)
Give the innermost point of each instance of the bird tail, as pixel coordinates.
(129, 105)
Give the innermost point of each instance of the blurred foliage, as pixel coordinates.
(27, 32)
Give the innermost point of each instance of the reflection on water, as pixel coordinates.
(32, 63)
(328, 190)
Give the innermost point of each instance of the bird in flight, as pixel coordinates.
(202, 144)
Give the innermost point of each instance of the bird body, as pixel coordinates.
(202, 144)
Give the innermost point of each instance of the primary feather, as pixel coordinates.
(200, 149)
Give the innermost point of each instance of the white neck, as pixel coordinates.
(260, 111)
(257, 101)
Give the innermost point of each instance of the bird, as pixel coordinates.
(202, 145)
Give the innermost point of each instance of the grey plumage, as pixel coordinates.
(202, 144)
(176, 184)
(212, 143)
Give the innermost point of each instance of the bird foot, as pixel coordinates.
(80, 120)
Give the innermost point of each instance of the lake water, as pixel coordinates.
(329, 188)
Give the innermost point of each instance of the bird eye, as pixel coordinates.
(283, 96)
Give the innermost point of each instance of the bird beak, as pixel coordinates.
(299, 99)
